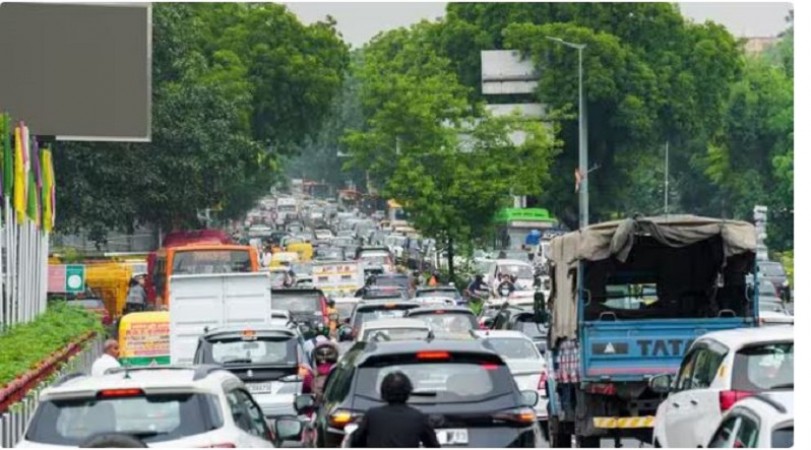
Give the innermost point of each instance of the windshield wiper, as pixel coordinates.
(238, 361)
(144, 433)
(425, 393)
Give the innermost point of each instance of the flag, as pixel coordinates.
(8, 158)
(33, 204)
(47, 187)
(19, 175)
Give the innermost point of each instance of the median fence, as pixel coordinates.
(27, 199)
(19, 399)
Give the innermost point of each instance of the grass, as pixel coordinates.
(25, 345)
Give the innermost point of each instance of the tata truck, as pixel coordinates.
(628, 298)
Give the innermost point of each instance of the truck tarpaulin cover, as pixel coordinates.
(616, 239)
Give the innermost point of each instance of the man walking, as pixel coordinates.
(108, 360)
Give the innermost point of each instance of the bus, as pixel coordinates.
(199, 259)
(395, 212)
(514, 224)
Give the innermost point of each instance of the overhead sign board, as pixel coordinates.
(507, 72)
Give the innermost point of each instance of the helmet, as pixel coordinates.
(325, 352)
(331, 302)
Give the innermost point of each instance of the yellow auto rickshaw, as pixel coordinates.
(143, 338)
(283, 258)
(304, 250)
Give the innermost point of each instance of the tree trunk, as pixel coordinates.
(451, 272)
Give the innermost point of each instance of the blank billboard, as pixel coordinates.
(78, 72)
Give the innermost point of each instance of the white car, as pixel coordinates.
(523, 271)
(719, 369)
(394, 329)
(527, 365)
(764, 420)
(204, 406)
(435, 300)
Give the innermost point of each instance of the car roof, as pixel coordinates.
(741, 337)
(377, 303)
(511, 334)
(471, 345)
(262, 330)
(395, 323)
(427, 309)
(161, 378)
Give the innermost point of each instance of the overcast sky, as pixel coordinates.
(359, 22)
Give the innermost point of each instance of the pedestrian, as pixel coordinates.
(136, 297)
(395, 425)
(108, 360)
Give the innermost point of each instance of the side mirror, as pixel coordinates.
(288, 429)
(661, 384)
(304, 404)
(530, 398)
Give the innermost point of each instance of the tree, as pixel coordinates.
(443, 158)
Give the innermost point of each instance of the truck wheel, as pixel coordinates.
(588, 441)
(558, 437)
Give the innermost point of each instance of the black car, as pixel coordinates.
(446, 319)
(307, 307)
(372, 310)
(462, 385)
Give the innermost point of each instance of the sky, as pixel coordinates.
(359, 22)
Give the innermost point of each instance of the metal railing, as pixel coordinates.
(14, 421)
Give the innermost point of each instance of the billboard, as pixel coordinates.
(78, 72)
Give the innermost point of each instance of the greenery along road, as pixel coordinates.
(244, 92)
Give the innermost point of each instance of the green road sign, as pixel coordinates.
(74, 279)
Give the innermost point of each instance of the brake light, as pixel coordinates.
(489, 366)
(118, 393)
(523, 416)
(727, 399)
(433, 355)
(542, 381)
(439, 311)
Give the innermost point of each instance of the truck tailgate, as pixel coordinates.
(631, 350)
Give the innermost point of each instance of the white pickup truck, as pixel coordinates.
(201, 302)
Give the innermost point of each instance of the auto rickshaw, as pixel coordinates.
(143, 338)
(304, 250)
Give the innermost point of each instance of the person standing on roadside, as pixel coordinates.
(136, 297)
(108, 360)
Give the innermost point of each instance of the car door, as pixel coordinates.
(242, 419)
(259, 433)
(675, 414)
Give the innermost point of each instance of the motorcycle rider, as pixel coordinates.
(325, 357)
(332, 315)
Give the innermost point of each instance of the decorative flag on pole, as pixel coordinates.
(8, 158)
(19, 175)
(35, 185)
(47, 186)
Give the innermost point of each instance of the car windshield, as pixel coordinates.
(441, 382)
(772, 269)
(767, 289)
(154, 418)
(392, 281)
(449, 322)
(261, 351)
(519, 270)
(514, 348)
(296, 302)
(764, 366)
(211, 261)
(382, 312)
(444, 293)
(531, 329)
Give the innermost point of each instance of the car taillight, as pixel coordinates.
(542, 381)
(523, 416)
(119, 393)
(433, 355)
(342, 417)
(727, 399)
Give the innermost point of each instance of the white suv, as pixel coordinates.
(719, 369)
(203, 406)
(761, 421)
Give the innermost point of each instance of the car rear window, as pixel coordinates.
(296, 302)
(380, 312)
(152, 419)
(772, 269)
(514, 348)
(279, 351)
(783, 437)
(452, 322)
(440, 382)
(446, 293)
(763, 367)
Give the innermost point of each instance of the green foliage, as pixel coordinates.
(442, 157)
(23, 346)
(235, 86)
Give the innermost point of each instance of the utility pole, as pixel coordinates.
(583, 154)
(667, 175)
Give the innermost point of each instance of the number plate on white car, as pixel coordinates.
(452, 437)
(260, 388)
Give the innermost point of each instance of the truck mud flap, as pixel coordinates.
(624, 422)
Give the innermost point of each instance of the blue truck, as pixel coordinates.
(628, 299)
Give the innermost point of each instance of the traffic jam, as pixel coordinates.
(302, 325)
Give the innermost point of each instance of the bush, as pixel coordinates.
(25, 345)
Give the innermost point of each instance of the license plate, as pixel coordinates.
(260, 388)
(452, 437)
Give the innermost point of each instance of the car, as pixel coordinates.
(308, 307)
(526, 363)
(524, 321)
(269, 359)
(385, 293)
(773, 271)
(719, 369)
(772, 311)
(400, 280)
(764, 420)
(372, 310)
(520, 268)
(446, 319)
(392, 329)
(434, 301)
(463, 385)
(439, 291)
(203, 406)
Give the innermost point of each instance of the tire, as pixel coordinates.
(588, 441)
(115, 440)
(558, 438)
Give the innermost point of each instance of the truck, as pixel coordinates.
(338, 279)
(203, 302)
(628, 298)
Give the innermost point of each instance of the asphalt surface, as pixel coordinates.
(606, 443)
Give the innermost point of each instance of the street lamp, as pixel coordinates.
(583, 135)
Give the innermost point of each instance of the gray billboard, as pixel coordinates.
(78, 72)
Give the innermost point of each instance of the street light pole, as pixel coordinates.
(583, 154)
